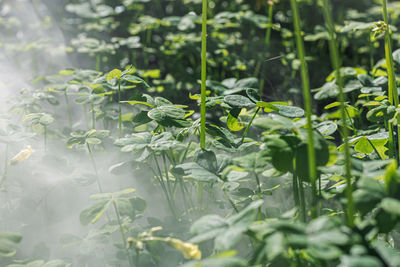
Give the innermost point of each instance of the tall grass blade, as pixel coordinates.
(308, 107)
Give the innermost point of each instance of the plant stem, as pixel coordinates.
(166, 191)
(98, 62)
(5, 172)
(269, 26)
(203, 76)
(258, 185)
(308, 107)
(94, 168)
(93, 117)
(85, 116)
(334, 53)
(393, 94)
(231, 202)
(166, 175)
(121, 229)
(45, 137)
(302, 200)
(249, 124)
(68, 109)
(295, 186)
(119, 110)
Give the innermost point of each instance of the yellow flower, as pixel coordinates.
(189, 250)
(22, 155)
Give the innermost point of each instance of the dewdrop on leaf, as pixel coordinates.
(189, 250)
(22, 155)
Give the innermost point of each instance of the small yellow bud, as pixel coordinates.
(22, 155)
(189, 250)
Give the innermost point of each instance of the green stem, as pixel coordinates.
(302, 200)
(121, 229)
(258, 185)
(308, 107)
(295, 186)
(166, 191)
(98, 62)
(45, 137)
(68, 109)
(85, 116)
(231, 202)
(344, 107)
(269, 26)
(167, 175)
(393, 94)
(148, 36)
(119, 110)
(6, 165)
(203, 75)
(94, 168)
(249, 124)
(93, 116)
(334, 53)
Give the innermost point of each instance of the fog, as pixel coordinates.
(42, 196)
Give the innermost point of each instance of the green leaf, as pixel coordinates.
(268, 107)
(228, 238)
(290, 111)
(208, 223)
(134, 79)
(332, 105)
(217, 262)
(93, 213)
(391, 179)
(391, 206)
(8, 242)
(238, 101)
(281, 152)
(247, 215)
(93, 141)
(197, 172)
(114, 74)
(363, 146)
(327, 128)
(233, 122)
(356, 261)
(207, 160)
(159, 114)
(253, 95)
(134, 102)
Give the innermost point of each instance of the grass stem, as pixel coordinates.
(68, 109)
(119, 110)
(393, 94)
(308, 105)
(335, 60)
(203, 76)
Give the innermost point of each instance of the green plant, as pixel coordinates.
(308, 107)
(333, 48)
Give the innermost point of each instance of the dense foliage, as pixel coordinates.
(144, 133)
